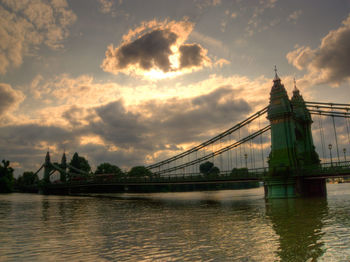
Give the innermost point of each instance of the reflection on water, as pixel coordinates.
(298, 223)
(194, 226)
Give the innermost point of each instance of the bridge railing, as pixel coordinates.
(344, 164)
(326, 169)
(243, 175)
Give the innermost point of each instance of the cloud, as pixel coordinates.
(25, 25)
(160, 128)
(27, 143)
(255, 23)
(156, 50)
(9, 98)
(78, 116)
(106, 6)
(122, 131)
(293, 17)
(300, 57)
(65, 90)
(191, 55)
(208, 41)
(150, 50)
(330, 62)
(202, 4)
(111, 7)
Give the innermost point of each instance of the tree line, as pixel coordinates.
(8, 183)
(28, 180)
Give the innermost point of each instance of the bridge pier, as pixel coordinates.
(315, 187)
(280, 187)
(291, 187)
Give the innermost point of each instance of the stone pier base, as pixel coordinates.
(289, 187)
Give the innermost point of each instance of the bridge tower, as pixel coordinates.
(292, 147)
(63, 166)
(306, 153)
(47, 168)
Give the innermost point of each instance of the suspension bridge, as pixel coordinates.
(276, 146)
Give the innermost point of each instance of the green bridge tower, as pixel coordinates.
(292, 147)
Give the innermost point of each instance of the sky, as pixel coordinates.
(132, 82)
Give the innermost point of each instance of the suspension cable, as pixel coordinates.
(261, 148)
(324, 103)
(322, 136)
(240, 148)
(250, 149)
(218, 152)
(347, 129)
(328, 113)
(336, 138)
(212, 140)
(229, 159)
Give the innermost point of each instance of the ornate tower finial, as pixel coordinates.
(295, 84)
(64, 160)
(47, 157)
(276, 76)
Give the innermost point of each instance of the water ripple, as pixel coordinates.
(195, 226)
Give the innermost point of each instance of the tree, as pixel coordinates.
(29, 178)
(6, 177)
(139, 171)
(80, 163)
(215, 171)
(107, 168)
(208, 169)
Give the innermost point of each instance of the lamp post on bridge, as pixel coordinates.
(246, 162)
(330, 153)
(344, 151)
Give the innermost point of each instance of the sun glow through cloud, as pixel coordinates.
(170, 57)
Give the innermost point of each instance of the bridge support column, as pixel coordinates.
(315, 187)
(280, 187)
(290, 187)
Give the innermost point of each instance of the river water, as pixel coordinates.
(232, 225)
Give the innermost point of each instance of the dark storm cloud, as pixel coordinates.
(334, 54)
(331, 60)
(150, 50)
(9, 98)
(129, 135)
(124, 129)
(191, 55)
(169, 122)
(196, 118)
(77, 116)
(32, 134)
(23, 143)
(97, 154)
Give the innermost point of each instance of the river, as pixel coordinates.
(231, 225)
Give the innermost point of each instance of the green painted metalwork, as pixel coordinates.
(305, 149)
(292, 146)
(283, 138)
